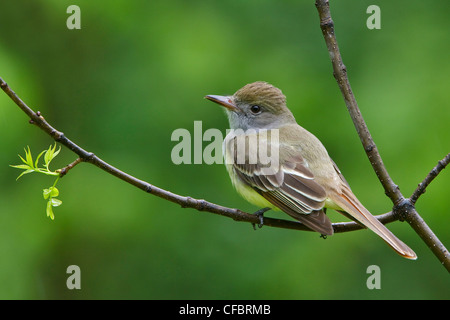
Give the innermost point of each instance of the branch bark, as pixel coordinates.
(340, 73)
(403, 208)
(430, 177)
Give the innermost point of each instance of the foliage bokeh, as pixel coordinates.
(137, 70)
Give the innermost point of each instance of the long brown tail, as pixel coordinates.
(348, 201)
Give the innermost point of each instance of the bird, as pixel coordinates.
(302, 180)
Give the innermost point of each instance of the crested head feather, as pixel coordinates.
(263, 94)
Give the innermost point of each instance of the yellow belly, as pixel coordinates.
(247, 192)
(331, 205)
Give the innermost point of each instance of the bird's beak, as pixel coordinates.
(225, 101)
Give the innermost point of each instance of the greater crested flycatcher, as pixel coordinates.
(301, 178)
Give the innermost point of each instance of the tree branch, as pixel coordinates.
(340, 73)
(403, 208)
(425, 233)
(37, 119)
(430, 177)
(62, 172)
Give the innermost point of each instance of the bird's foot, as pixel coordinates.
(260, 215)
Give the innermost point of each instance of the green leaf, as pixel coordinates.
(21, 166)
(28, 166)
(54, 192)
(29, 157)
(50, 210)
(37, 159)
(46, 193)
(55, 153)
(56, 202)
(23, 160)
(48, 155)
(25, 172)
(50, 192)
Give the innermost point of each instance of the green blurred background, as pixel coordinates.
(137, 70)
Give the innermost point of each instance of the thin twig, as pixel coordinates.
(419, 225)
(65, 170)
(421, 188)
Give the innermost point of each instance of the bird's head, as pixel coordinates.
(257, 105)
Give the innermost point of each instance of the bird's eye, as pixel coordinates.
(255, 109)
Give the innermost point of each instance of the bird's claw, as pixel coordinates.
(260, 215)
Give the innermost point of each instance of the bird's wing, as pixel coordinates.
(288, 184)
